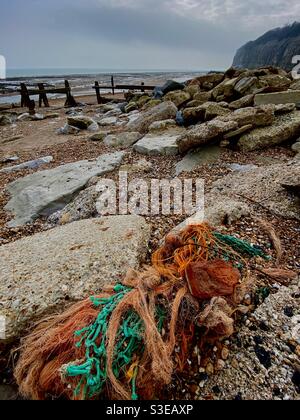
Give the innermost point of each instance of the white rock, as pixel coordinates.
(122, 139)
(107, 121)
(165, 144)
(45, 192)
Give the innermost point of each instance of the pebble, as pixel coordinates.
(220, 365)
(225, 353)
(210, 369)
(247, 300)
(235, 364)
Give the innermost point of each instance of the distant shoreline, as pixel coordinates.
(82, 83)
(27, 74)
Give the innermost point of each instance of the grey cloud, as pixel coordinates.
(60, 32)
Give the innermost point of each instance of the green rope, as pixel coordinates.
(93, 372)
(240, 246)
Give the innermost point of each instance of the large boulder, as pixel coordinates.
(163, 111)
(41, 274)
(224, 90)
(243, 102)
(204, 112)
(213, 110)
(132, 106)
(258, 117)
(203, 96)
(178, 97)
(210, 78)
(194, 115)
(276, 82)
(107, 121)
(81, 121)
(284, 108)
(153, 145)
(162, 125)
(192, 90)
(286, 127)
(204, 134)
(122, 139)
(171, 86)
(151, 104)
(247, 86)
(45, 192)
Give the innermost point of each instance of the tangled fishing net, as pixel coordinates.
(121, 343)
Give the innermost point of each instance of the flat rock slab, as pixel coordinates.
(45, 192)
(165, 144)
(291, 96)
(40, 274)
(203, 156)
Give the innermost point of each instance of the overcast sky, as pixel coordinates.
(135, 34)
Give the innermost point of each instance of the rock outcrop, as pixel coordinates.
(275, 48)
(163, 111)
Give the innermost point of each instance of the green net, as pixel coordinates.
(129, 343)
(240, 246)
(93, 371)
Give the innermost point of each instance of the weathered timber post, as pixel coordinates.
(43, 96)
(97, 88)
(113, 84)
(143, 90)
(70, 102)
(25, 99)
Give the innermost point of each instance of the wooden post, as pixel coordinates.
(43, 96)
(143, 90)
(25, 99)
(97, 88)
(70, 102)
(113, 84)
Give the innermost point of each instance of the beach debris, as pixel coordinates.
(123, 340)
